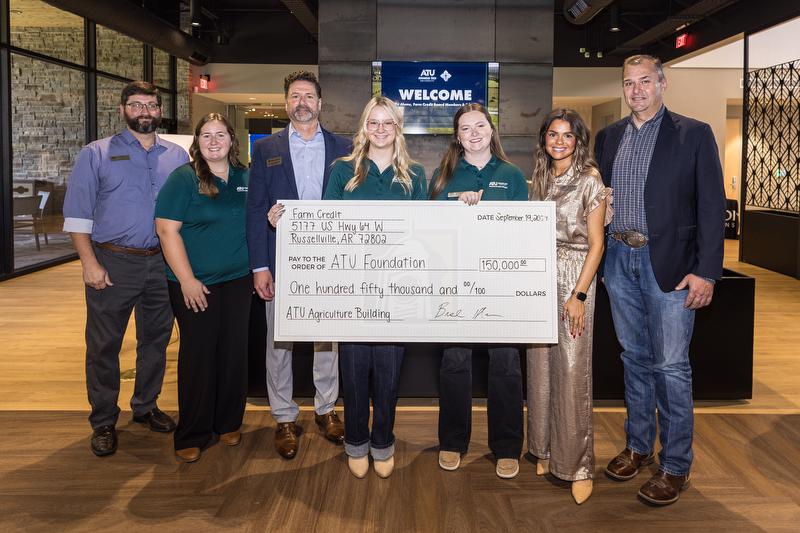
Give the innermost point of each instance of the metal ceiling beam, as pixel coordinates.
(304, 15)
(139, 23)
(669, 26)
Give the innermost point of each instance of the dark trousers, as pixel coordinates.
(212, 362)
(370, 370)
(140, 285)
(504, 403)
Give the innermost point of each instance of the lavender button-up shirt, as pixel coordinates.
(111, 193)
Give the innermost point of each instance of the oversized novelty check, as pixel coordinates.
(416, 271)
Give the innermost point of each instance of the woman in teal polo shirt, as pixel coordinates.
(474, 168)
(200, 220)
(378, 169)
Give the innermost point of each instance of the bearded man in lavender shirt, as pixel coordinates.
(109, 212)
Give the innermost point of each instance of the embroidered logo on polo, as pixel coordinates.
(241, 189)
(498, 185)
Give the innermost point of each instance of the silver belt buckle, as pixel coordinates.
(634, 239)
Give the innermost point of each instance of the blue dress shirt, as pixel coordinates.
(308, 163)
(111, 193)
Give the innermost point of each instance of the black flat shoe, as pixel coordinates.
(104, 441)
(157, 420)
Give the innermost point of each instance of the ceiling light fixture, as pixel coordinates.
(195, 13)
(613, 25)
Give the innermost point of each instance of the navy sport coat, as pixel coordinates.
(272, 179)
(684, 197)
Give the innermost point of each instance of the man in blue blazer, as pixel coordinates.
(663, 254)
(290, 165)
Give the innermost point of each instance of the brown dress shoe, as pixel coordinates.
(626, 465)
(188, 455)
(331, 426)
(286, 439)
(231, 439)
(663, 488)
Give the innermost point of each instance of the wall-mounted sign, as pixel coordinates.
(682, 40)
(430, 92)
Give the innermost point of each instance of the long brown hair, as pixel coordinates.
(455, 151)
(208, 183)
(582, 160)
(401, 161)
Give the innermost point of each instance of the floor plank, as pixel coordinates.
(745, 479)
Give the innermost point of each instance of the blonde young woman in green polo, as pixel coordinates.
(379, 168)
(476, 168)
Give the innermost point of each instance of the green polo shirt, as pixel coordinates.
(498, 179)
(213, 229)
(378, 185)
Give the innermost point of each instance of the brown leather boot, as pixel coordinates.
(331, 426)
(663, 488)
(287, 439)
(626, 465)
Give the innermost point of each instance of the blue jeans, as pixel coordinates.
(654, 329)
(370, 370)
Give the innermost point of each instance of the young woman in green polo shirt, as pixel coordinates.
(379, 168)
(200, 220)
(474, 168)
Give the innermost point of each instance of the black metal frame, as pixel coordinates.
(89, 68)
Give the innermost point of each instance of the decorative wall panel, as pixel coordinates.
(773, 138)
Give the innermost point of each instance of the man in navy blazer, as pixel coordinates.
(663, 254)
(292, 164)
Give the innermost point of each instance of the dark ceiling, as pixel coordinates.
(284, 31)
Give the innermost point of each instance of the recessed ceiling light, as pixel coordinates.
(251, 98)
(16, 12)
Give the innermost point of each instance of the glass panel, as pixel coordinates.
(119, 54)
(48, 131)
(161, 68)
(183, 116)
(45, 29)
(108, 119)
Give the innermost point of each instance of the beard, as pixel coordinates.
(303, 113)
(143, 124)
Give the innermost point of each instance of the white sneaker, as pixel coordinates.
(507, 468)
(359, 466)
(449, 460)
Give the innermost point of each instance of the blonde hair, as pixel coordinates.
(401, 162)
(582, 161)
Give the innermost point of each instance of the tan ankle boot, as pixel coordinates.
(384, 468)
(581, 490)
(542, 467)
(359, 466)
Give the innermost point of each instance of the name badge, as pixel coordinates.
(120, 158)
(274, 162)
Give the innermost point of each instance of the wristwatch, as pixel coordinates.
(581, 296)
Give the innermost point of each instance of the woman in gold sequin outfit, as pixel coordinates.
(560, 375)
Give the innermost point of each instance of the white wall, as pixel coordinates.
(246, 78)
(702, 94)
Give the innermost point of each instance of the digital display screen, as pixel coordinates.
(430, 92)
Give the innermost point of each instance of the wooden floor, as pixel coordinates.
(745, 479)
(745, 476)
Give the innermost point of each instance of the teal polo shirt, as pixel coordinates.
(213, 229)
(377, 186)
(499, 180)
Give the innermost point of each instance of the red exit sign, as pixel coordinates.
(682, 40)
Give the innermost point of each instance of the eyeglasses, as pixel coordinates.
(374, 125)
(138, 106)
